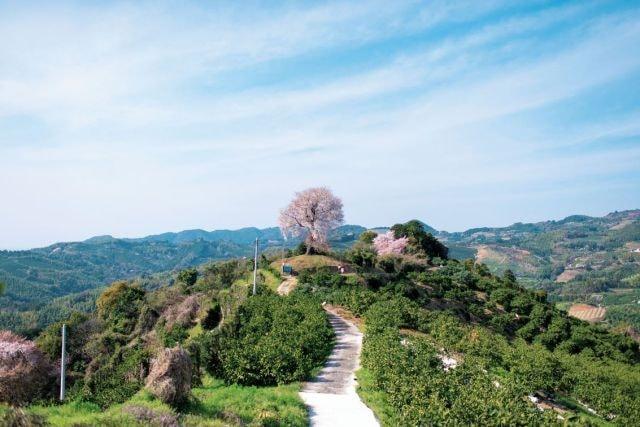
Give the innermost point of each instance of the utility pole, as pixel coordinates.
(255, 267)
(63, 362)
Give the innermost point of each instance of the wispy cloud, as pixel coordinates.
(110, 110)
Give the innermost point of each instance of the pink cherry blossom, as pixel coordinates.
(312, 213)
(387, 243)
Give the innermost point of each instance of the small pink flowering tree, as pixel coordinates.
(25, 371)
(312, 213)
(387, 244)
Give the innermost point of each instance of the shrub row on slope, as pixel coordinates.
(271, 340)
(502, 332)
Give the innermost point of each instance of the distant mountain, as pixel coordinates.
(270, 236)
(241, 236)
(36, 275)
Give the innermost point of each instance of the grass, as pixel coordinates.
(375, 399)
(196, 331)
(213, 404)
(85, 413)
(270, 280)
(302, 262)
(236, 404)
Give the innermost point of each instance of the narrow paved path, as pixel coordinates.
(287, 285)
(331, 397)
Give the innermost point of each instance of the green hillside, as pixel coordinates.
(577, 259)
(445, 342)
(37, 280)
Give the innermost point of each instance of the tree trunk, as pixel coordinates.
(309, 241)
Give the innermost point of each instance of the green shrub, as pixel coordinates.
(389, 263)
(119, 306)
(221, 275)
(321, 277)
(170, 337)
(80, 331)
(272, 340)
(421, 392)
(362, 253)
(356, 299)
(187, 278)
(119, 378)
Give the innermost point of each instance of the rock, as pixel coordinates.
(170, 376)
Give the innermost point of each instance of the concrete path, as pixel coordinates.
(287, 285)
(331, 397)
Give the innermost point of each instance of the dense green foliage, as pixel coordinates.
(271, 340)
(422, 392)
(596, 256)
(119, 306)
(496, 330)
(187, 278)
(420, 241)
(80, 327)
(118, 377)
(261, 340)
(35, 277)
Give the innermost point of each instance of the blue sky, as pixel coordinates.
(144, 117)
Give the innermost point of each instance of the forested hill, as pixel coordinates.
(35, 277)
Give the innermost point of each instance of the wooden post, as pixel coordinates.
(63, 362)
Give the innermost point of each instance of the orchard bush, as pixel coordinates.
(271, 340)
(419, 390)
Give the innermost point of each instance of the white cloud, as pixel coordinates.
(140, 137)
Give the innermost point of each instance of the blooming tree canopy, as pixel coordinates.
(387, 243)
(312, 213)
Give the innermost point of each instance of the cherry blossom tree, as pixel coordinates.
(387, 243)
(25, 371)
(312, 213)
